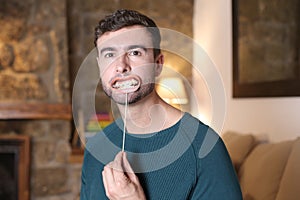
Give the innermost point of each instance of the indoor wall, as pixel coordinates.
(275, 118)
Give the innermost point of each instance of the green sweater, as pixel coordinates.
(185, 161)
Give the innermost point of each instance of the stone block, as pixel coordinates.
(13, 15)
(96, 6)
(32, 55)
(21, 87)
(6, 56)
(62, 151)
(140, 5)
(75, 178)
(43, 152)
(46, 11)
(49, 181)
(59, 130)
(60, 74)
(37, 129)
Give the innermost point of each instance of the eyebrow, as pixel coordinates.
(107, 49)
(128, 48)
(137, 47)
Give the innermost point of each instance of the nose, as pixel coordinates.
(122, 64)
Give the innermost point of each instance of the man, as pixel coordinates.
(162, 159)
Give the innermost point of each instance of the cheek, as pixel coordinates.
(105, 66)
(106, 73)
(148, 77)
(103, 71)
(104, 80)
(147, 74)
(146, 69)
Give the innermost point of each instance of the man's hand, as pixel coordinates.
(119, 180)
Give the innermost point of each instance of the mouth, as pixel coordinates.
(126, 85)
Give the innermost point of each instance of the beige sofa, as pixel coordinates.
(267, 171)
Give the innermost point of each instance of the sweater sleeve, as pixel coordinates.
(216, 177)
(83, 189)
(91, 178)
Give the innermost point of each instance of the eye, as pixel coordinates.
(109, 55)
(134, 53)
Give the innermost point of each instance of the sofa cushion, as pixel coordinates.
(238, 146)
(262, 170)
(290, 182)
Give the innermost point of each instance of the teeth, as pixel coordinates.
(125, 84)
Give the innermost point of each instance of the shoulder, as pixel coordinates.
(203, 138)
(216, 175)
(197, 130)
(104, 145)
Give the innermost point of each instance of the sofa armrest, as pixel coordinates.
(261, 172)
(290, 182)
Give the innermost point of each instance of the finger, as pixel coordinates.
(118, 161)
(128, 169)
(117, 171)
(108, 177)
(125, 163)
(116, 164)
(108, 181)
(111, 188)
(120, 178)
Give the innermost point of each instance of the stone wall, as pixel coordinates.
(33, 46)
(34, 69)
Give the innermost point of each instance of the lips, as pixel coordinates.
(126, 85)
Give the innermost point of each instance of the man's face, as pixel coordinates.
(127, 64)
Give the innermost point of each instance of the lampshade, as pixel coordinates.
(172, 90)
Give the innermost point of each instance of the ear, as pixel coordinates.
(159, 62)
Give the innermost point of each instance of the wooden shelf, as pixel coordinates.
(35, 111)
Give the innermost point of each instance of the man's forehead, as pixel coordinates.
(126, 37)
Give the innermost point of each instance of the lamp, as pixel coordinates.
(172, 90)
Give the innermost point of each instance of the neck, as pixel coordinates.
(149, 115)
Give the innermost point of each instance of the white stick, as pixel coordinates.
(124, 120)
